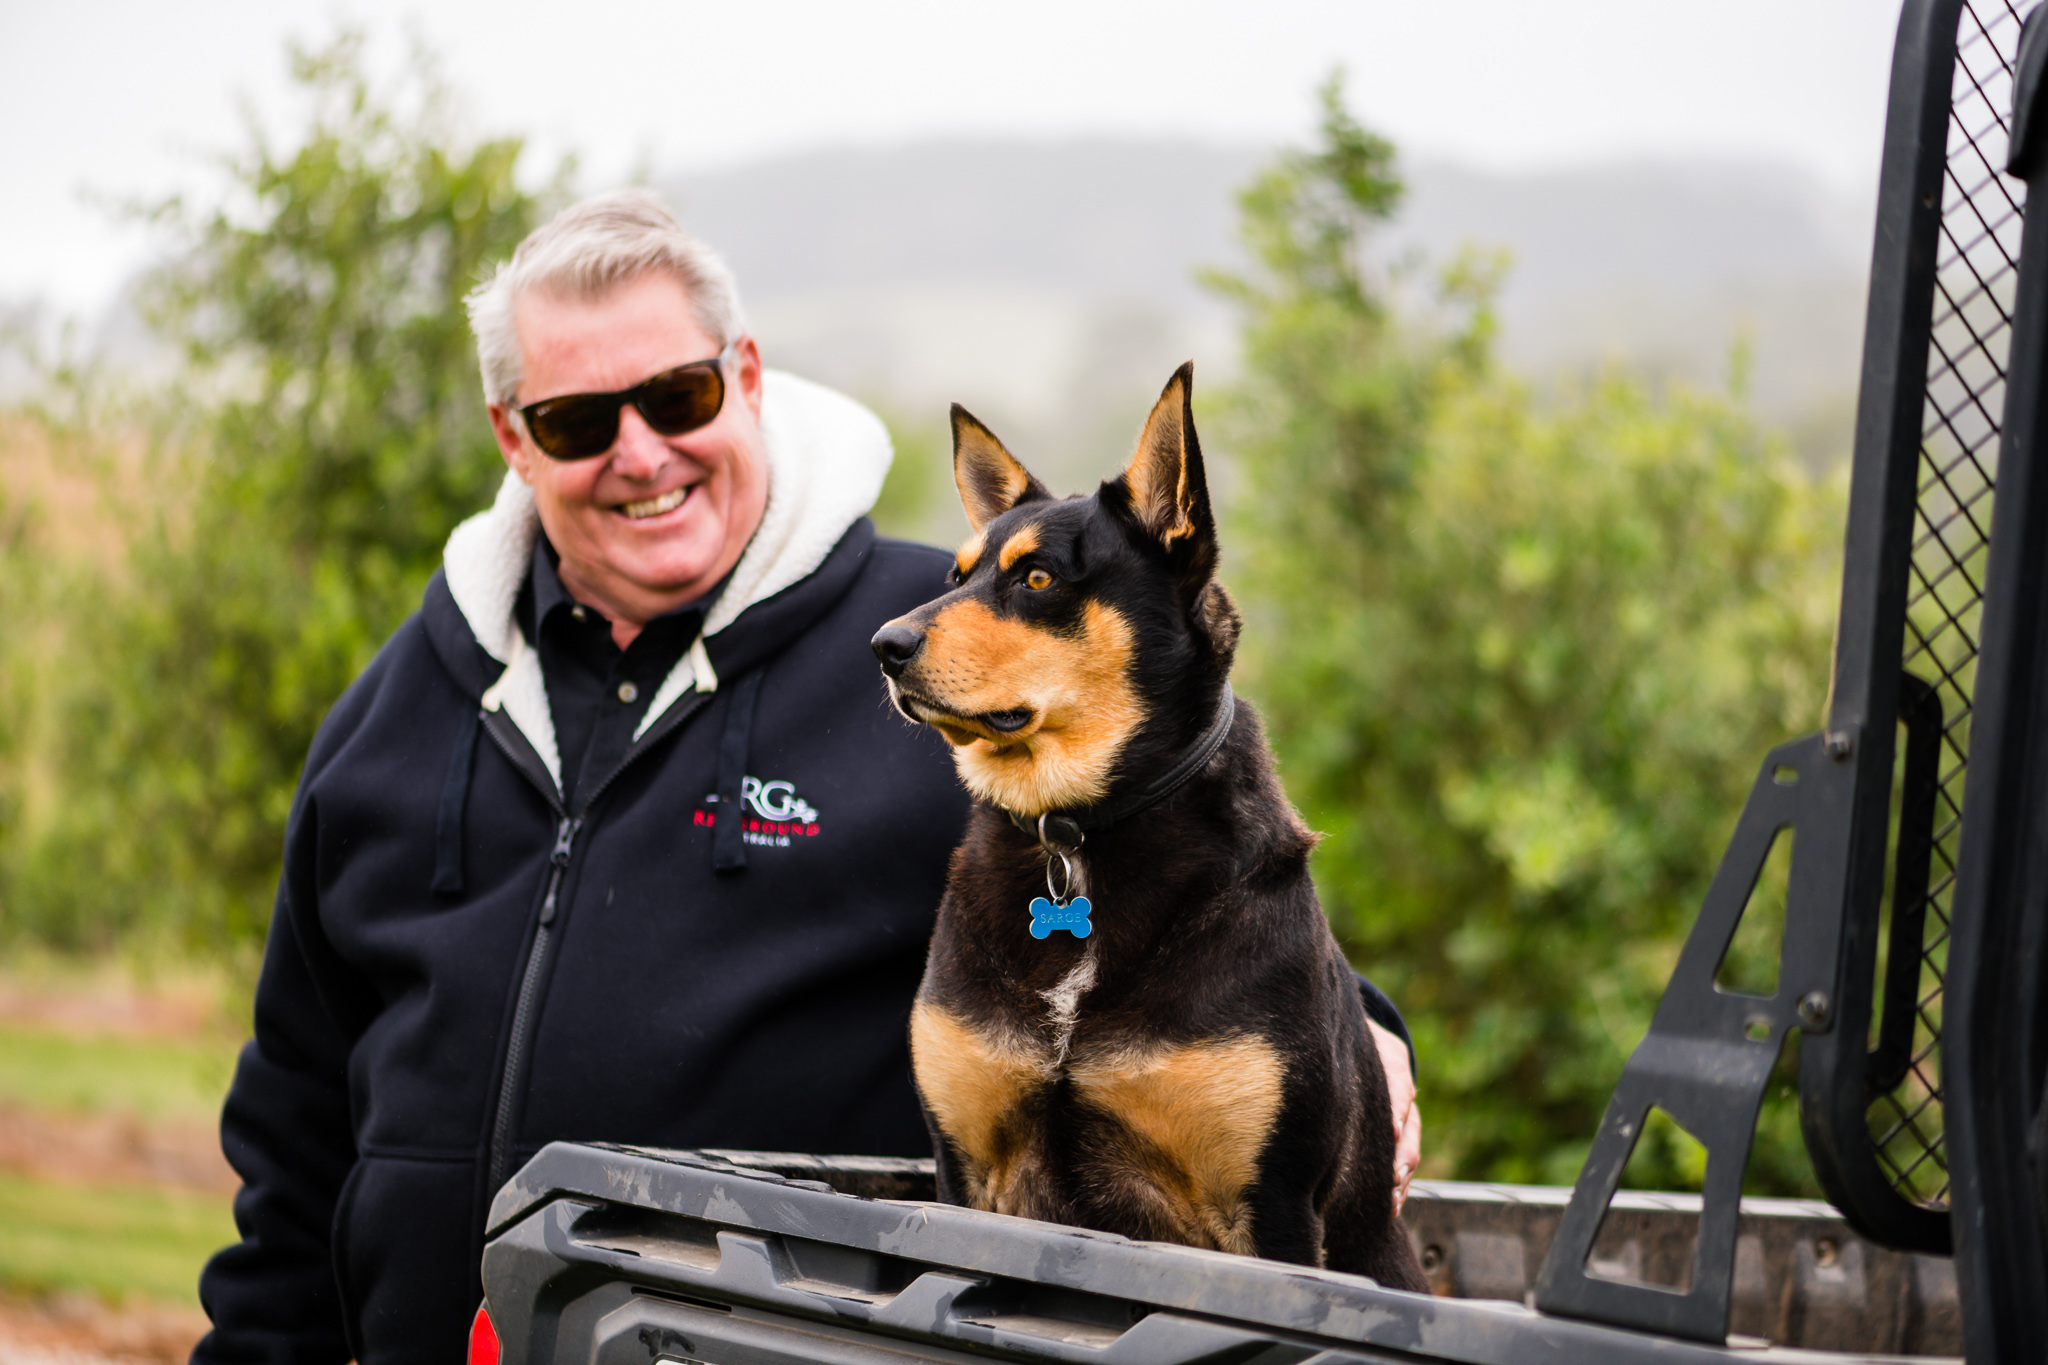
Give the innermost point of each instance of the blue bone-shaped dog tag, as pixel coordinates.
(1072, 917)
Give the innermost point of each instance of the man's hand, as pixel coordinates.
(1407, 1116)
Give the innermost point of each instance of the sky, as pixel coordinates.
(113, 100)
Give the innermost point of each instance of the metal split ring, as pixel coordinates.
(1060, 895)
(1059, 832)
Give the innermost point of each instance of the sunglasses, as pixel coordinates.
(578, 426)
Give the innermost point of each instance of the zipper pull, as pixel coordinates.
(565, 835)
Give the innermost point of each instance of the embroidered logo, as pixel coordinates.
(772, 811)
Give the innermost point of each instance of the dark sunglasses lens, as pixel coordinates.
(682, 400)
(575, 428)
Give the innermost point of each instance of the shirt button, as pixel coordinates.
(627, 692)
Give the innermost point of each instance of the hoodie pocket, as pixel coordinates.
(403, 1260)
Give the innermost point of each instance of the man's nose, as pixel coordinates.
(896, 645)
(639, 450)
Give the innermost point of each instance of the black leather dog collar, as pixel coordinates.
(1066, 829)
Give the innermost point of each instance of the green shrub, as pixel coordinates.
(1520, 658)
(325, 435)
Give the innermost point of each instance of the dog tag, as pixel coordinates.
(1072, 917)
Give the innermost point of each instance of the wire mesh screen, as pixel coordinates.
(1965, 400)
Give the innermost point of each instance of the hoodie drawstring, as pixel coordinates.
(454, 800)
(728, 844)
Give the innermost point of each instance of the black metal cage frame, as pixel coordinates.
(1919, 879)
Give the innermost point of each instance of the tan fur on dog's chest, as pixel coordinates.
(1182, 1125)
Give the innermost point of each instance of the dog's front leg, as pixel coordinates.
(1286, 1226)
(945, 1166)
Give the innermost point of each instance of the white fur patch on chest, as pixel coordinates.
(1063, 1003)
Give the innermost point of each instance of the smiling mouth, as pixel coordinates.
(655, 506)
(964, 730)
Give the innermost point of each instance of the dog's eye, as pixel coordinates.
(1038, 580)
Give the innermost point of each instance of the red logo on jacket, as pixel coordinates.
(773, 813)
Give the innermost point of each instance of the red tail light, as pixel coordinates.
(483, 1338)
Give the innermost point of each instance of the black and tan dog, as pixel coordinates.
(1134, 1017)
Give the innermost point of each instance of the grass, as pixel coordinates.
(116, 1241)
(152, 1078)
(119, 1242)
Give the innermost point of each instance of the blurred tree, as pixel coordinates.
(1519, 660)
(329, 435)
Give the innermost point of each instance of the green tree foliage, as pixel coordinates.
(330, 436)
(1520, 660)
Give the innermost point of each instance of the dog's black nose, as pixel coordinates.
(896, 645)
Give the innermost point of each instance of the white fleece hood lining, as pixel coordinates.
(827, 457)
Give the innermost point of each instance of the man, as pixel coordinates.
(615, 839)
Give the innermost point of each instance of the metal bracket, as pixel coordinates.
(1709, 1052)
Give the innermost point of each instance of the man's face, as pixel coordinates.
(656, 521)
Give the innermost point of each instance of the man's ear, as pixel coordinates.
(991, 481)
(506, 428)
(1168, 492)
(747, 363)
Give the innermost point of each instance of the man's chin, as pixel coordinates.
(682, 577)
(676, 568)
(657, 563)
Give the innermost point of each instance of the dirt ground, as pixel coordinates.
(78, 1329)
(112, 1148)
(111, 1001)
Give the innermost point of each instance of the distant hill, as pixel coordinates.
(1665, 265)
(1100, 220)
(1049, 287)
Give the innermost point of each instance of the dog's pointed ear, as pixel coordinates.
(990, 480)
(1167, 489)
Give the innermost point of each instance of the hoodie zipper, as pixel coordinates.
(567, 827)
(522, 1016)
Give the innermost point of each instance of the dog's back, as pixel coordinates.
(1134, 1017)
